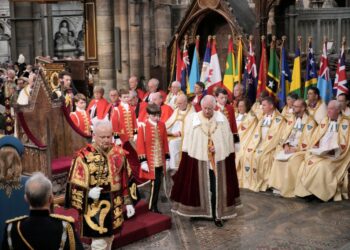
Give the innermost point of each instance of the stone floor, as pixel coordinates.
(264, 222)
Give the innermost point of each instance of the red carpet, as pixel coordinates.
(143, 224)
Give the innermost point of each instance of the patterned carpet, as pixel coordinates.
(264, 222)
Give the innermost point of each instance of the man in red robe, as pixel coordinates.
(99, 106)
(80, 117)
(198, 92)
(133, 85)
(124, 124)
(153, 87)
(206, 183)
(157, 99)
(228, 110)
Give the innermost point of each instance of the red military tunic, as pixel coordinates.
(102, 107)
(124, 122)
(167, 111)
(152, 146)
(81, 119)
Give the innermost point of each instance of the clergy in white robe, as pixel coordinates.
(257, 106)
(287, 111)
(316, 107)
(257, 158)
(175, 91)
(289, 156)
(175, 128)
(324, 171)
(344, 102)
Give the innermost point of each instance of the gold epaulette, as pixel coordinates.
(16, 219)
(63, 217)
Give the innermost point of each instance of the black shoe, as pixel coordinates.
(218, 223)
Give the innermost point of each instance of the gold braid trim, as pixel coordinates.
(71, 238)
(21, 235)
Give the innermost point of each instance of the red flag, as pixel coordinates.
(179, 64)
(262, 70)
(340, 82)
(214, 78)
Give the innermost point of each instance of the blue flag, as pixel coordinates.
(284, 81)
(194, 74)
(311, 72)
(324, 83)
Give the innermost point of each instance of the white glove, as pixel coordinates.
(95, 192)
(135, 137)
(167, 165)
(118, 142)
(130, 210)
(144, 166)
(237, 147)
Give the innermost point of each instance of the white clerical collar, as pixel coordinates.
(333, 126)
(267, 120)
(298, 124)
(239, 117)
(125, 105)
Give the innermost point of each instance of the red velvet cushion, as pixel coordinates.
(61, 164)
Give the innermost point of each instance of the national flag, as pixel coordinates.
(324, 83)
(179, 63)
(238, 74)
(214, 77)
(184, 69)
(230, 68)
(311, 72)
(284, 80)
(340, 83)
(273, 74)
(194, 74)
(250, 75)
(295, 86)
(206, 62)
(262, 78)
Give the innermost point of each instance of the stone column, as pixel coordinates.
(162, 17)
(146, 38)
(134, 38)
(23, 32)
(105, 43)
(38, 32)
(123, 76)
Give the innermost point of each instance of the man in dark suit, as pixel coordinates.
(40, 230)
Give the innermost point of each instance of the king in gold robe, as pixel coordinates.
(323, 173)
